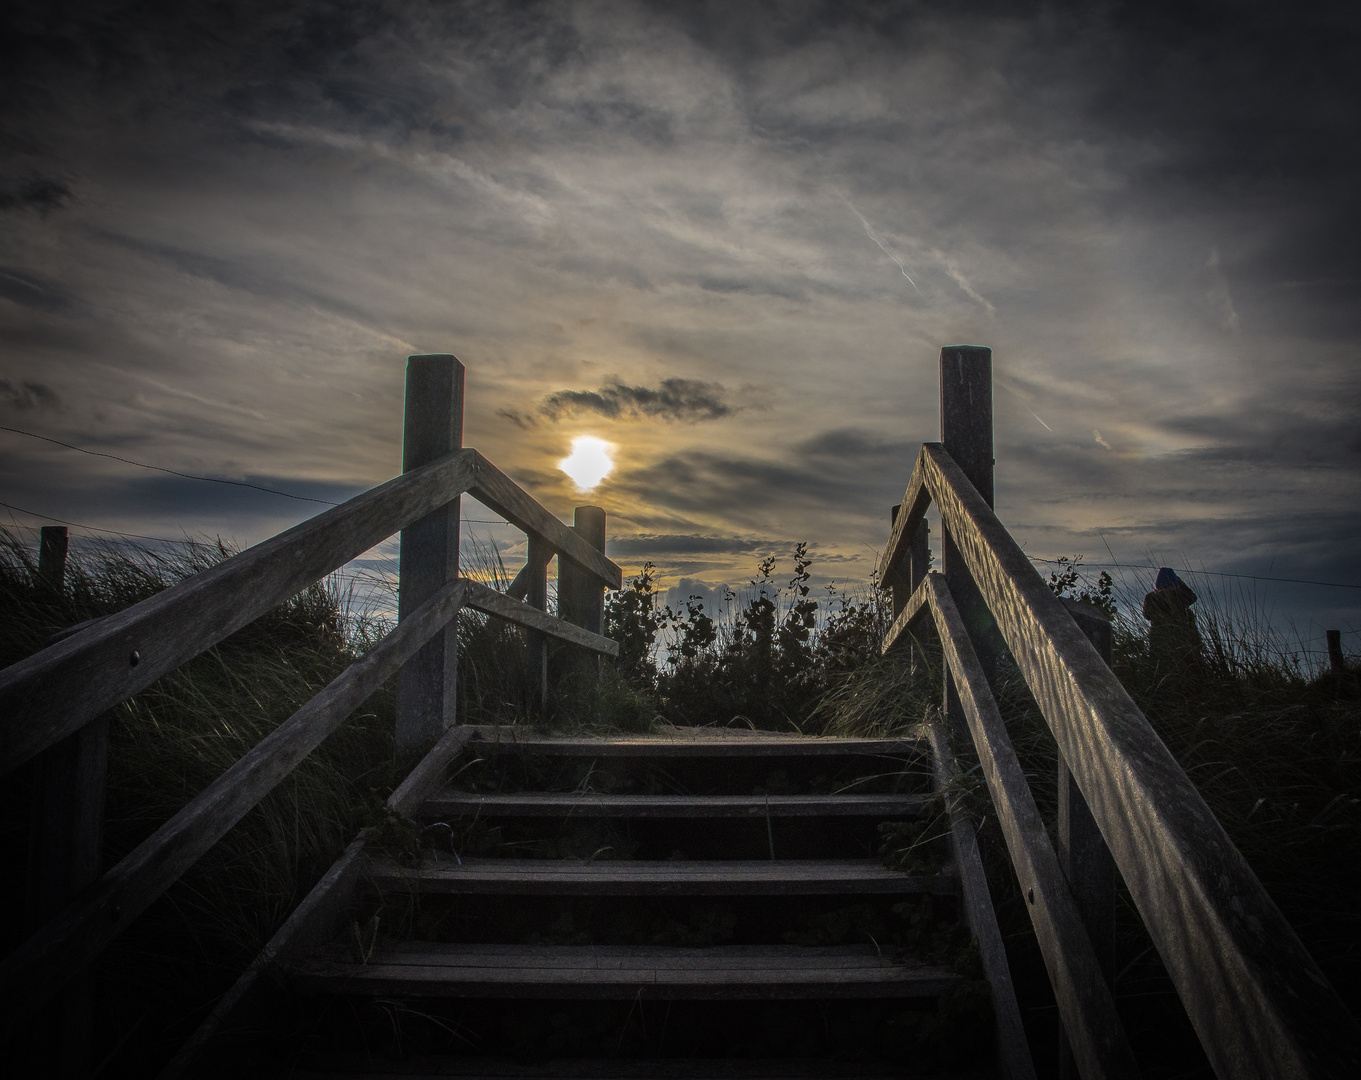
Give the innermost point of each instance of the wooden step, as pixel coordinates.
(688, 743)
(553, 804)
(364, 1068)
(542, 877)
(426, 969)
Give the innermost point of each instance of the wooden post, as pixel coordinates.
(581, 600)
(536, 653)
(966, 432)
(66, 842)
(900, 587)
(1083, 856)
(427, 684)
(910, 573)
(1335, 658)
(52, 545)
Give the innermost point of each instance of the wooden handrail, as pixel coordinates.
(1013, 1049)
(496, 490)
(1258, 1001)
(905, 524)
(1085, 1002)
(495, 603)
(57, 691)
(35, 971)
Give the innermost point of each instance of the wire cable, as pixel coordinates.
(1209, 573)
(193, 476)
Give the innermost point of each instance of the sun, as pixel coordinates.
(589, 463)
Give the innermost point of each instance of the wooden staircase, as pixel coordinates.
(694, 903)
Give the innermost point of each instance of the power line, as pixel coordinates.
(192, 476)
(157, 539)
(1209, 573)
(172, 472)
(87, 528)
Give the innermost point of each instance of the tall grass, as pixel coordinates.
(169, 742)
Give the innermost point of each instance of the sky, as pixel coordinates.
(729, 239)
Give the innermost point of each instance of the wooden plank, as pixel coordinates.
(914, 608)
(432, 427)
(1084, 1001)
(690, 743)
(540, 877)
(547, 804)
(41, 966)
(504, 607)
(1083, 856)
(60, 689)
(536, 645)
(1258, 1001)
(915, 502)
(766, 972)
(318, 918)
(498, 492)
(581, 600)
(1013, 1049)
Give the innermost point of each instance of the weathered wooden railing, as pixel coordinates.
(1258, 1001)
(48, 699)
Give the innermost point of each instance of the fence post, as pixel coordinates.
(427, 685)
(910, 573)
(966, 432)
(66, 843)
(537, 559)
(581, 600)
(52, 545)
(1083, 856)
(1335, 659)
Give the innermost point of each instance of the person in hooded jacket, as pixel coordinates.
(1173, 640)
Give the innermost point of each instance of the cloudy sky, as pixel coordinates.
(728, 238)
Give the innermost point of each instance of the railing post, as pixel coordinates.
(537, 559)
(66, 841)
(581, 600)
(52, 544)
(1336, 662)
(966, 432)
(910, 573)
(433, 426)
(1085, 859)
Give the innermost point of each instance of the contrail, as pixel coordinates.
(1037, 417)
(897, 262)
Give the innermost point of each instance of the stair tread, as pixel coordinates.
(641, 877)
(435, 969)
(362, 1068)
(690, 742)
(554, 804)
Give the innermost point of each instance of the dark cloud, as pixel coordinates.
(28, 396)
(685, 400)
(32, 291)
(648, 544)
(41, 193)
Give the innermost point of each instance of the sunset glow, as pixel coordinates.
(589, 463)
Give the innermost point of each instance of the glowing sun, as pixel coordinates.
(589, 463)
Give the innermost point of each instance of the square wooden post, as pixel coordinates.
(910, 573)
(65, 847)
(536, 595)
(966, 432)
(427, 685)
(581, 600)
(1083, 856)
